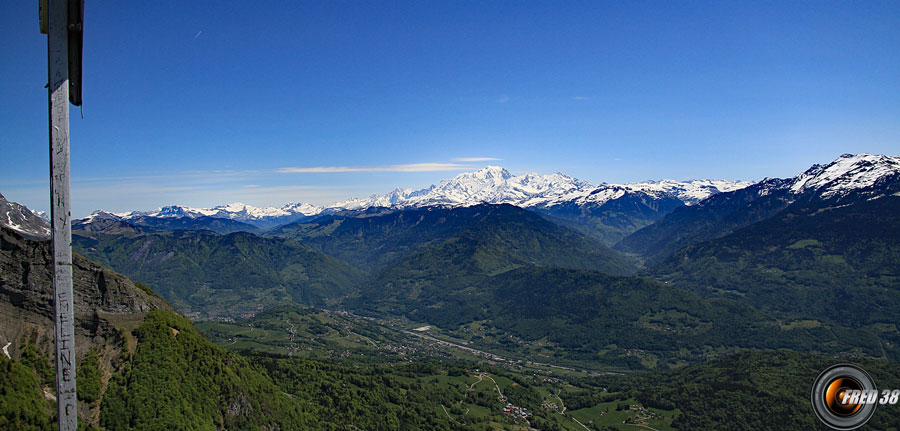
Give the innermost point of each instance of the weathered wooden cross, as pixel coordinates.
(62, 21)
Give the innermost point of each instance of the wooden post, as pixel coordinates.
(60, 215)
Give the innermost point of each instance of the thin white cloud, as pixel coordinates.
(475, 159)
(581, 98)
(219, 175)
(198, 34)
(503, 99)
(413, 167)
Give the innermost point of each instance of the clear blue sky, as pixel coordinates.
(201, 103)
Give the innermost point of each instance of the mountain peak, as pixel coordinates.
(104, 215)
(235, 206)
(689, 192)
(23, 220)
(493, 168)
(487, 172)
(846, 173)
(301, 208)
(495, 185)
(490, 184)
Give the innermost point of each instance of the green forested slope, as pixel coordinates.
(597, 320)
(597, 317)
(833, 264)
(748, 391)
(375, 238)
(374, 241)
(177, 380)
(444, 280)
(712, 218)
(613, 220)
(22, 403)
(214, 224)
(221, 274)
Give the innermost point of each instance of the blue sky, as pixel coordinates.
(202, 103)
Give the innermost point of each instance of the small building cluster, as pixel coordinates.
(515, 411)
(635, 352)
(643, 415)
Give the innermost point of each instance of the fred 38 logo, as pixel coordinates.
(844, 397)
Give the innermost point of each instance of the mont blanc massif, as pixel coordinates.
(488, 301)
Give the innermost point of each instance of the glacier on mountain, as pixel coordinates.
(492, 184)
(848, 173)
(496, 185)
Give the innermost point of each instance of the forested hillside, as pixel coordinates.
(221, 275)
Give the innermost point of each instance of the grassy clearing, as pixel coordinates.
(607, 415)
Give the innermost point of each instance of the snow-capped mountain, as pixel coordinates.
(869, 175)
(21, 219)
(848, 180)
(496, 185)
(259, 217)
(391, 199)
(262, 218)
(849, 173)
(98, 220)
(689, 192)
(491, 184)
(235, 211)
(606, 211)
(43, 215)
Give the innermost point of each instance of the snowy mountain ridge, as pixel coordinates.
(846, 174)
(19, 218)
(492, 184)
(234, 211)
(496, 185)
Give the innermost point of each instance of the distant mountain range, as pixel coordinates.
(492, 184)
(826, 243)
(847, 179)
(651, 219)
(495, 185)
(260, 217)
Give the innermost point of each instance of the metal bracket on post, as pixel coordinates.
(58, 60)
(76, 42)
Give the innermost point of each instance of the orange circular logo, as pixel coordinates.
(843, 397)
(835, 393)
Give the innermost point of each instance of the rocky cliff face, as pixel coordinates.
(103, 299)
(107, 306)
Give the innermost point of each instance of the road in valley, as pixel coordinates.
(499, 358)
